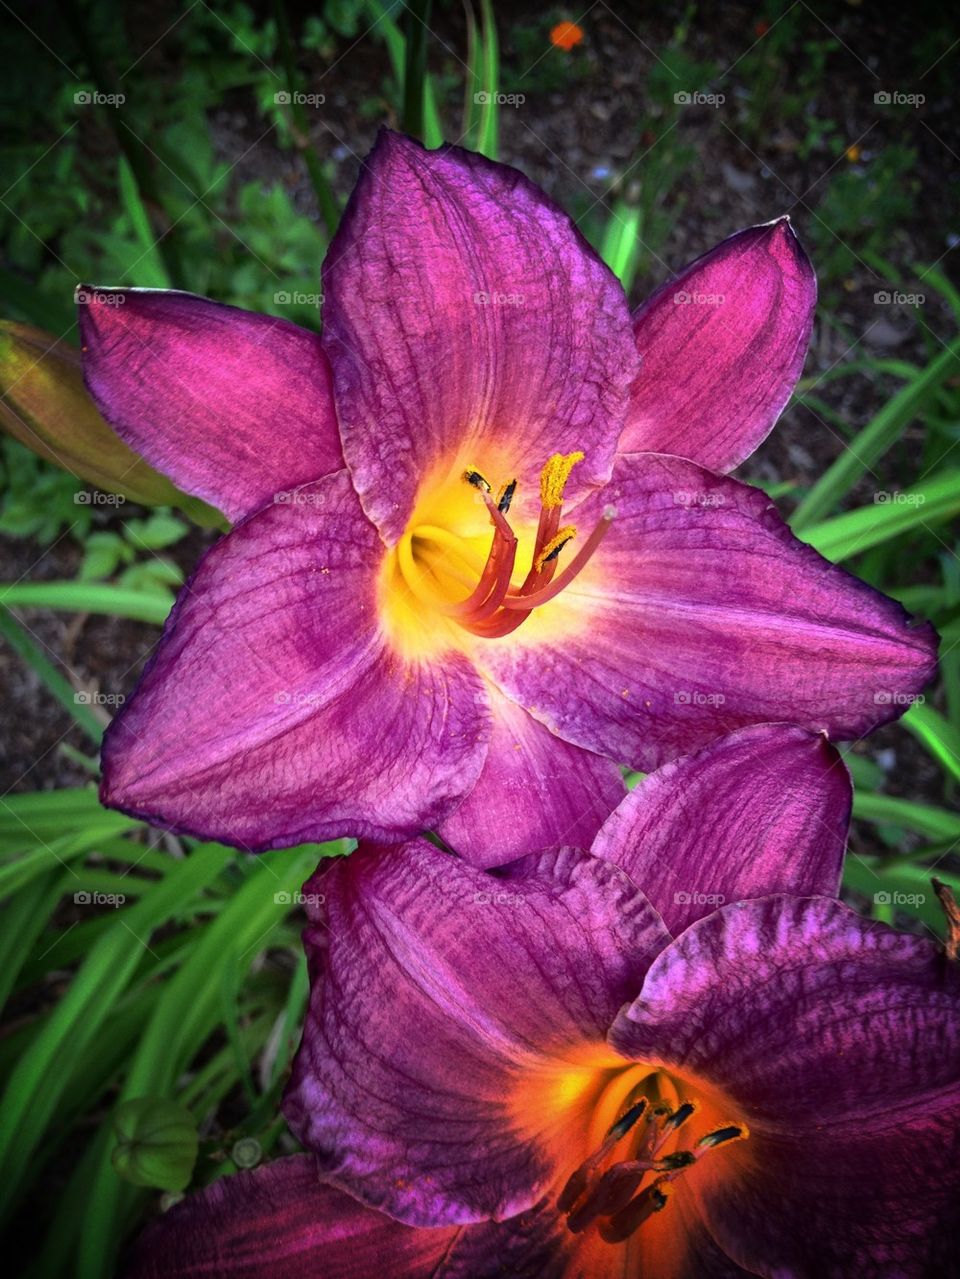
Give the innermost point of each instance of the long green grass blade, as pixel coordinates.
(875, 438)
(941, 738)
(40, 1078)
(488, 134)
(923, 506)
(87, 597)
(61, 688)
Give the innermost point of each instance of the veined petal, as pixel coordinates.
(273, 710)
(535, 792)
(453, 1017)
(282, 1222)
(701, 613)
(764, 810)
(537, 1245)
(839, 1039)
(722, 345)
(232, 405)
(468, 323)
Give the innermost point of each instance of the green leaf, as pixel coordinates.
(875, 438)
(941, 738)
(924, 505)
(86, 597)
(150, 271)
(61, 688)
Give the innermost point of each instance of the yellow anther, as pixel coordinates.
(554, 476)
(474, 477)
(554, 546)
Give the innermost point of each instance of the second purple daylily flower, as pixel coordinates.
(549, 1074)
(482, 536)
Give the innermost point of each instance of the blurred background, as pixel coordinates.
(211, 147)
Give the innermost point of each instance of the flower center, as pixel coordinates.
(464, 569)
(620, 1195)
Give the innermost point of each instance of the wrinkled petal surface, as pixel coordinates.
(765, 810)
(231, 405)
(282, 1222)
(438, 994)
(273, 710)
(535, 792)
(699, 614)
(467, 323)
(839, 1039)
(722, 345)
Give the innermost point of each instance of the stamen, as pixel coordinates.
(554, 547)
(579, 1179)
(505, 497)
(628, 1220)
(476, 479)
(554, 476)
(563, 580)
(734, 1132)
(615, 1200)
(495, 607)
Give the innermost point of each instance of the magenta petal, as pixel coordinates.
(437, 989)
(722, 345)
(282, 1222)
(467, 322)
(231, 405)
(535, 792)
(273, 710)
(762, 811)
(702, 613)
(837, 1041)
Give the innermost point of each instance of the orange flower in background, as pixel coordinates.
(566, 35)
(761, 28)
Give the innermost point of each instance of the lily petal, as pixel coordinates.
(538, 1245)
(273, 710)
(772, 805)
(839, 1040)
(232, 405)
(467, 322)
(722, 346)
(438, 993)
(701, 613)
(517, 807)
(282, 1222)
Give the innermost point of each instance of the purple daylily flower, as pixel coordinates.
(546, 1073)
(406, 629)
